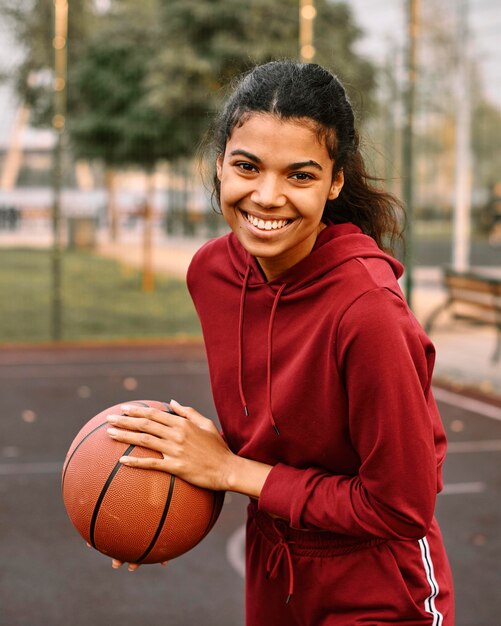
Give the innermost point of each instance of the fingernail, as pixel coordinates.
(125, 407)
(174, 402)
(113, 419)
(112, 431)
(124, 459)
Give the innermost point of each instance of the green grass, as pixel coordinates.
(101, 300)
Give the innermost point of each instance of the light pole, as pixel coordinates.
(307, 14)
(59, 44)
(412, 9)
(463, 178)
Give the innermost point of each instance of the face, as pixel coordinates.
(276, 176)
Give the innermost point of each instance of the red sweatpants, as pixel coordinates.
(335, 582)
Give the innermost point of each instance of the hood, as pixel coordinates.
(335, 245)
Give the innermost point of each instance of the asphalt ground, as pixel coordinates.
(48, 577)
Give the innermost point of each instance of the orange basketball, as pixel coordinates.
(132, 514)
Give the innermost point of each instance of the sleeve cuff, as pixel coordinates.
(281, 494)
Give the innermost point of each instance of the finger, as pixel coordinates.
(152, 463)
(155, 415)
(115, 563)
(191, 414)
(144, 440)
(139, 424)
(133, 567)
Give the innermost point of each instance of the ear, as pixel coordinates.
(219, 165)
(336, 185)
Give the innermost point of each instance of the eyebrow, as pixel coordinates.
(310, 163)
(292, 166)
(248, 155)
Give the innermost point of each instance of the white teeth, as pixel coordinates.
(266, 225)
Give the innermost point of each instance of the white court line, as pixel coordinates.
(89, 370)
(235, 546)
(235, 550)
(493, 445)
(468, 404)
(23, 469)
(454, 489)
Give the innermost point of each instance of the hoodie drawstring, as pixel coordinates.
(275, 558)
(241, 339)
(268, 364)
(269, 348)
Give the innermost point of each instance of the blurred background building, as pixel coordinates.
(446, 31)
(141, 81)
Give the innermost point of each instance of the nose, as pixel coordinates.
(268, 192)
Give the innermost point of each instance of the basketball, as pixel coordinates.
(135, 515)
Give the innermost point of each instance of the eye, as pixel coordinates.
(302, 176)
(245, 166)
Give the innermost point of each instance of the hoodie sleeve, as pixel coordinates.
(385, 361)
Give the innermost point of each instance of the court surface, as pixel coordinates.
(48, 577)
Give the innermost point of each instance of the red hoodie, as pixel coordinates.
(325, 374)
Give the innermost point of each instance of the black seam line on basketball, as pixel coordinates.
(105, 488)
(78, 446)
(161, 522)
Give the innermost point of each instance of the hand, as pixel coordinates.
(132, 567)
(115, 563)
(190, 443)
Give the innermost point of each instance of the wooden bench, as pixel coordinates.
(475, 297)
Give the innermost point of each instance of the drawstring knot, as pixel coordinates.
(275, 557)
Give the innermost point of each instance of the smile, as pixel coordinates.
(266, 224)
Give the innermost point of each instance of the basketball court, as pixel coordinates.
(48, 577)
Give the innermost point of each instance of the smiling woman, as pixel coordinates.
(276, 177)
(321, 376)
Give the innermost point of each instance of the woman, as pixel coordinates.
(321, 375)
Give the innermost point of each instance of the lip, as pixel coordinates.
(266, 234)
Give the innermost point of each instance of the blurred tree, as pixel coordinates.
(151, 74)
(436, 106)
(207, 42)
(112, 118)
(143, 78)
(196, 46)
(32, 22)
(183, 51)
(486, 139)
(107, 80)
